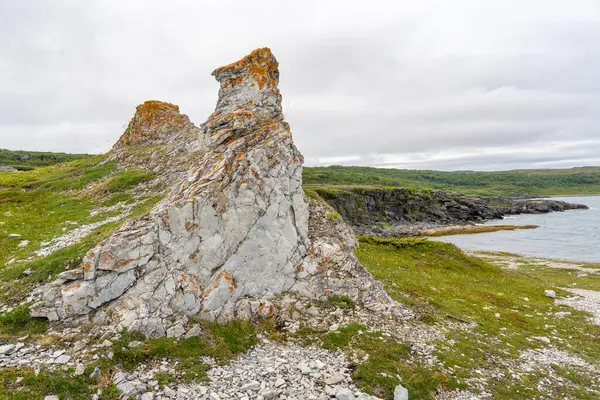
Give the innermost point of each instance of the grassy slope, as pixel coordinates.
(46, 202)
(26, 160)
(521, 182)
(508, 306)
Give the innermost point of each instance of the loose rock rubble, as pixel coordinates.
(273, 371)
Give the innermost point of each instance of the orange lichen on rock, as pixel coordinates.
(222, 276)
(261, 65)
(149, 120)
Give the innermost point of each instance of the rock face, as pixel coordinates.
(153, 121)
(230, 236)
(397, 212)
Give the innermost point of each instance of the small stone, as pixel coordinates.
(135, 343)
(270, 395)
(7, 349)
(304, 369)
(23, 243)
(250, 386)
(344, 394)
(14, 235)
(96, 374)
(214, 396)
(8, 214)
(543, 339)
(147, 396)
(335, 379)
(400, 393)
(176, 331)
(279, 382)
(79, 369)
(51, 397)
(550, 293)
(61, 360)
(196, 330)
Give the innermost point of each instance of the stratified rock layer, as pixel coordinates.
(229, 237)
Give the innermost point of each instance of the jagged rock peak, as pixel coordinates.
(248, 96)
(152, 120)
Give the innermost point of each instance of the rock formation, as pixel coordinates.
(233, 232)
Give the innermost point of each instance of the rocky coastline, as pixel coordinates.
(404, 212)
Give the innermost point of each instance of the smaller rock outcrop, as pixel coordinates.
(159, 139)
(154, 122)
(7, 168)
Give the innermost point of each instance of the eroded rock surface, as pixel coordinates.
(232, 234)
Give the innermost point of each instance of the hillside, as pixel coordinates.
(541, 182)
(26, 160)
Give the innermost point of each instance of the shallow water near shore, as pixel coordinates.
(571, 235)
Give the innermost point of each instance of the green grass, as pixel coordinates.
(507, 307)
(73, 175)
(219, 341)
(18, 323)
(27, 160)
(44, 203)
(339, 301)
(64, 384)
(37, 217)
(126, 179)
(502, 183)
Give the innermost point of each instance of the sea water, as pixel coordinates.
(570, 235)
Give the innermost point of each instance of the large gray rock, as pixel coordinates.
(232, 233)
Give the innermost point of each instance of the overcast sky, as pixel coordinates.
(461, 84)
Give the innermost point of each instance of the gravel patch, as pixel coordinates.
(77, 234)
(586, 300)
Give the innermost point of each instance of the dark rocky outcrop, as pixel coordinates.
(398, 212)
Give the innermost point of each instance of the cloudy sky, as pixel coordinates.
(462, 84)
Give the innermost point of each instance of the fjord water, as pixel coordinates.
(570, 235)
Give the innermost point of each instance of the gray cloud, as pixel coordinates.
(434, 84)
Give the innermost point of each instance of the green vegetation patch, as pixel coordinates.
(18, 322)
(64, 384)
(503, 183)
(36, 217)
(506, 308)
(27, 160)
(219, 341)
(126, 179)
